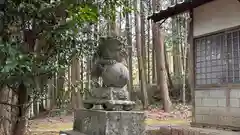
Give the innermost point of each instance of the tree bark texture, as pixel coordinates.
(154, 39)
(140, 58)
(5, 111)
(19, 128)
(129, 43)
(143, 36)
(161, 74)
(75, 77)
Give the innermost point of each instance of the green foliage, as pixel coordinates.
(41, 37)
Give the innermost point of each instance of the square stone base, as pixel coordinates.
(100, 122)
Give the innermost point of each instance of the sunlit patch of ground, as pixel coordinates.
(167, 122)
(156, 118)
(44, 133)
(48, 127)
(53, 127)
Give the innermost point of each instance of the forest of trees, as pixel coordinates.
(46, 49)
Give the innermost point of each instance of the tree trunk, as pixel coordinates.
(112, 21)
(55, 94)
(177, 60)
(162, 78)
(75, 77)
(88, 85)
(52, 91)
(140, 58)
(175, 45)
(21, 120)
(154, 39)
(170, 83)
(69, 84)
(148, 50)
(35, 108)
(5, 111)
(49, 94)
(82, 74)
(88, 73)
(43, 97)
(69, 77)
(143, 44)
(129, 42)
(60, 83)
(37, 97)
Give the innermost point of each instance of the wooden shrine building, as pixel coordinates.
(214, 59)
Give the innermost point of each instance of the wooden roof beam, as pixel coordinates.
(177, 9)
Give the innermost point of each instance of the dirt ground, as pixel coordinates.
(50, 125)
(156, 118)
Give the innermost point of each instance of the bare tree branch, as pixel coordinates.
(12, 105)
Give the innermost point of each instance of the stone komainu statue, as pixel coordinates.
(109, 62)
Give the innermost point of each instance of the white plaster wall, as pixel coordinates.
(216, 15)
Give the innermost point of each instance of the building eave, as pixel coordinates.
(177, 9)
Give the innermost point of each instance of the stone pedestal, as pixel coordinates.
(99, 122)
(110, 98)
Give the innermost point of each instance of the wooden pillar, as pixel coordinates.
(192, 65)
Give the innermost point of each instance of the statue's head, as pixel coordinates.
(112, 46)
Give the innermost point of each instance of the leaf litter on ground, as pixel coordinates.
(178, 112)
